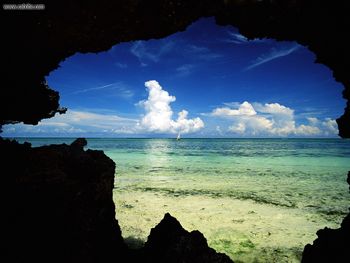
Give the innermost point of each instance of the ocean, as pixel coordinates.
(257, 200)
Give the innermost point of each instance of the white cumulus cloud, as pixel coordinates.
(330, 126)
(271, 119)
(245, 109)
(158, 117)
(274, 108)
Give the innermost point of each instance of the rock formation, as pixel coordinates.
(58, 204)
(169, 242)
(332, 245)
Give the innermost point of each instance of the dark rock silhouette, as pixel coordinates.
(170, 242)
(59, 204)
(35, 42)
(332, 245)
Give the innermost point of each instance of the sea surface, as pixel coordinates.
(257, 200)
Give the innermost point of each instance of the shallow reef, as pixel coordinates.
(59, 202)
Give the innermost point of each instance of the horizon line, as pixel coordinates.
(75, 137)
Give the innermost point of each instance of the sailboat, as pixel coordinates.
(178, 137)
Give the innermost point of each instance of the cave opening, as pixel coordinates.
(239, 215)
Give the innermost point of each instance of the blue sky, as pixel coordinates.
(208, 81)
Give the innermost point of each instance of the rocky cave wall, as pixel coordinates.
(55, 212)
(58, 204)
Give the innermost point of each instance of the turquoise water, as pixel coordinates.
(258, 200)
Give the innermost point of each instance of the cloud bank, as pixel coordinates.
(272, 119)
(245, 120)
(158, 117)
(76, 122)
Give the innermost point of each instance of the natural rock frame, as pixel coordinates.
(37, 41)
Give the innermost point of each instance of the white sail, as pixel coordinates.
(178, 136)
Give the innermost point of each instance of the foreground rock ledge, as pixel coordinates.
(170, 242)
(59, 204)
(59, 208)
(332, 245)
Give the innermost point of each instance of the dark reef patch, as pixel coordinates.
(216, 194)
